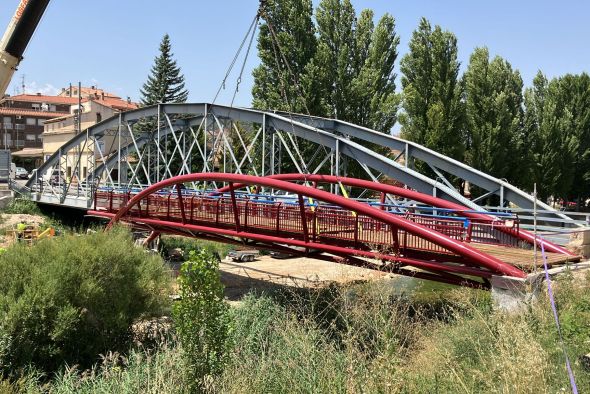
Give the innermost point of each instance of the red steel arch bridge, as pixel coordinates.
(293, 183)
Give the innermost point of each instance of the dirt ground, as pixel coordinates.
(9, 222)
(267, 273)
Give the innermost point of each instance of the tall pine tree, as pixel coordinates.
(494, 115)
(165, 83)
(433, 112)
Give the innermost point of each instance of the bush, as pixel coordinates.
(22, 206)
(69, 299)
(202, 318)
(187, 244)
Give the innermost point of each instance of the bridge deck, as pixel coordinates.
(335, 226)
(524, 258)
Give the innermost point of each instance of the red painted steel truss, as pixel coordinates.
(340, 229)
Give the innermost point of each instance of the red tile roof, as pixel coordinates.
(31, 113)
(116, 103)
(37, 98)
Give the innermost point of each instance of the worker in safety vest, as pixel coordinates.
(20, 230)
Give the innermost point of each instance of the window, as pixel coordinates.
(7, 140)
(36, 106)
(31, 122)
(19, 126)
(30, 137)
(52, 108)
(40, 137)
(19, 143)
(98, 117)
(40, 122)
(7, 120)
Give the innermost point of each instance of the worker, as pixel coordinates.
(20, 230)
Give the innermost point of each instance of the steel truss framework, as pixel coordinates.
(165, 208)
(144, 146)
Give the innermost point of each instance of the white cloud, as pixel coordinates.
(45, 89)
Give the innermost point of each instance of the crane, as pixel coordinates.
(17, 36)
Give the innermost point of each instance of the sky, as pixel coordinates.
(112, 44)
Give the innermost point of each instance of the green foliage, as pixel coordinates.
(69, 299)
(292, 24)
(551, 137)
(22, 206)
(433, 112)
(345, 71)
(366, 338)
(494, 116)
(186, 244)
(201, 318)
(165, 83)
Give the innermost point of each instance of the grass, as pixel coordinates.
(22, 206)
(369, 338)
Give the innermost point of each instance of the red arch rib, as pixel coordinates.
(482, 259)
(525, 236)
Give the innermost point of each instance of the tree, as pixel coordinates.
(346, 72)
(202, 318)
(550, 133)
(165, 83)
(275, 87)
(433, 112)
(494, 116)
(358, 59)
(574, 92)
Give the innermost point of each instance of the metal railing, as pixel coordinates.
(315, 222)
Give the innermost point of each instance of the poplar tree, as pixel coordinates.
(358, 58)
(285, 52)
(165, 84)
(553, 143)
(494, 116)
(343, 66)
(433, 112)
(575, 94)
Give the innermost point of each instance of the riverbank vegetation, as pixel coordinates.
(67, 323)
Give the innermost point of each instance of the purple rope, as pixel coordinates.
(554, 308)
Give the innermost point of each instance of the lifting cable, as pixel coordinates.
(278, 50)
(251, 30)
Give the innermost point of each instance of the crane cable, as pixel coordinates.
(251, 30)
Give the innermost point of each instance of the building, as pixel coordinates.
(94, 108)
(85, 92)
(22, 119)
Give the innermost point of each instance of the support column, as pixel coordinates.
(514, 295)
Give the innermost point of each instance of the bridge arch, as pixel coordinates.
(476, 263)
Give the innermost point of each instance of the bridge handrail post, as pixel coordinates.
(356, 230)
(168, 207)
(181, 204)
(232, 194)
(469, 231)
(246, 214)
(278, 217)
(303, 218)
(192, 206)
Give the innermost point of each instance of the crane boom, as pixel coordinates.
(17, 36)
